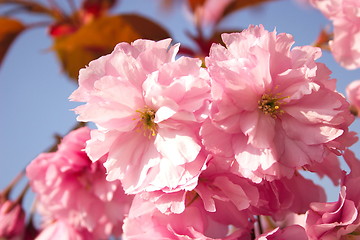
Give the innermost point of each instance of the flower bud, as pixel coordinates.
(12, 219)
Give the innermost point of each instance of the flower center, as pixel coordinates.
(147, 117)
(270, 104)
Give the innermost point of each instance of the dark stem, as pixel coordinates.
(19, 199)
(260, 225)
(5, 194)
(187, 51)
(22, 194)
(38, 24)
(252, 234)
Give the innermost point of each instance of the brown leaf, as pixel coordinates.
(9, 30)
(100, 36)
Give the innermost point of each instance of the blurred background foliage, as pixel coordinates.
(83, 32)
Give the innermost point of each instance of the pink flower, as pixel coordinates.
(331, 169)
(332, 220)
(60, 230)
(148, 108)
(294, 232)
(12, 220)
(279, 198)
(353, 95)
(215, 188)
(146, 222)
(338, 220)
(345, 15)
(71, 188)
(351, 180)
(269, 224)
(274, 108)
(219, 187)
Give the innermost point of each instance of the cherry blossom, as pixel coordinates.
(218, 187)
(274, 108)
(294, 232)
(73, 189)
(332, 220)
(217, 140)
(345, 16)
(146, 222)
(215, 187)
(340, 219)
(148, 108)
(59, 230)
(12, 219)
(279, 198)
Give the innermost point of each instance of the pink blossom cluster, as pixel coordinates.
(341, 219)
(345, 16)
(73, 196)
(213, 152)
(12, 219)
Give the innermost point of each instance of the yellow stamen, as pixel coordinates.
(270, 104)
(146, 121)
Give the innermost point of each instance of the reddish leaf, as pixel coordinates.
(99, 37)
(96, 7)
(323, 39)
(9, 30)
(61, 29)
(194, 4)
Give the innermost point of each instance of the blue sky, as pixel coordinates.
(34, 92)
